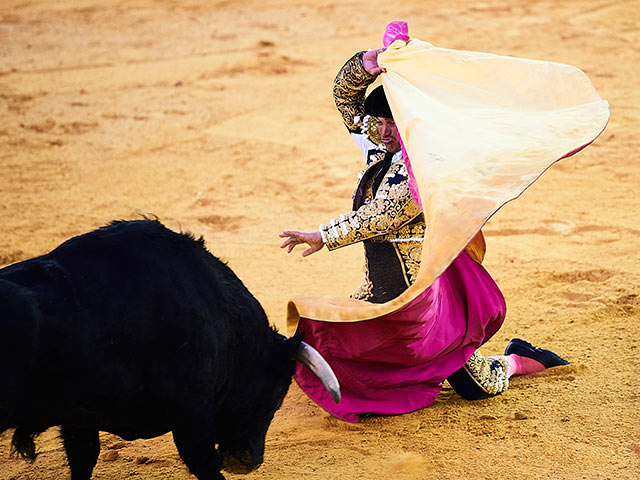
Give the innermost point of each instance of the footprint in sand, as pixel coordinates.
(598, 275)
(78, 128)
(223, 223)
(579, 295)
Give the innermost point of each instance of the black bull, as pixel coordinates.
(137, 330)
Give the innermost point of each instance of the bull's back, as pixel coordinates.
(139, 273)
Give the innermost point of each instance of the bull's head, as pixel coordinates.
(242, 449)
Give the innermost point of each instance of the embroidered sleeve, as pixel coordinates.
(390, 210)
(349, 88)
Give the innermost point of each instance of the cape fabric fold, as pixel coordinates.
(396, 363)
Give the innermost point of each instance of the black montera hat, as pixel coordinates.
(376, 104)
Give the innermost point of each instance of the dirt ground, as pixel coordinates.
(217, 117)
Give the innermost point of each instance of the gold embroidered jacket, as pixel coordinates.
(384, 216)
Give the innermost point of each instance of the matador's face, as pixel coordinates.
(388, 133)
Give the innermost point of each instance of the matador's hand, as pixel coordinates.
(313, 239)
(370, 61)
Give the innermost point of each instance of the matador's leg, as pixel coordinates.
(483, 377)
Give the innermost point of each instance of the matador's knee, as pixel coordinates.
(480, 377)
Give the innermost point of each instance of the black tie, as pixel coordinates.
(384, 167)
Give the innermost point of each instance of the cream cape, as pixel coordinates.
(478, 129)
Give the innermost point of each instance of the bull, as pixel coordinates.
(137, 330)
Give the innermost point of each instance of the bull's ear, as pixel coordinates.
(290, 346)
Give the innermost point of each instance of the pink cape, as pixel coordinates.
(396, 363)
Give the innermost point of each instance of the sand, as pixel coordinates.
(217, 117)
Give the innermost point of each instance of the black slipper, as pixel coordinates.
(525, 349)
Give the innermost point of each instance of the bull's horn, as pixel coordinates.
(309, 356)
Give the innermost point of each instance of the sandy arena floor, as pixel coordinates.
(217, 117)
